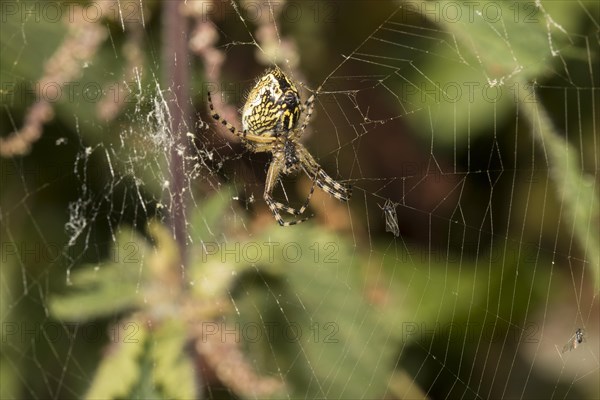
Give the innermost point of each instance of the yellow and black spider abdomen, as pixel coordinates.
(273, 106)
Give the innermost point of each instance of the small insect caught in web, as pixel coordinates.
(391, 218)
(574, 341)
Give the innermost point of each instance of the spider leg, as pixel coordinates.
(298, 211)
(234, 130)
(222, 120)
(308, 107)
(261, 147)
(324, 181)
(271, 181)
(337, 190)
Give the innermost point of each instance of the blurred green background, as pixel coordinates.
(479, 123)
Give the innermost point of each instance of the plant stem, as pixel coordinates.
(176, 77)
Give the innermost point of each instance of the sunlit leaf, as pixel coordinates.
(100, 290)
(119, 370)
(173, 370)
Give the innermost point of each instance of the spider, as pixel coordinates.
(270, 124)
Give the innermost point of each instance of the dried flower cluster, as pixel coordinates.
(78, 48)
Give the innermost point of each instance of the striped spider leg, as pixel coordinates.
(284, 163)
(324, 181)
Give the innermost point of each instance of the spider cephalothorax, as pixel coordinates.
(269, 121)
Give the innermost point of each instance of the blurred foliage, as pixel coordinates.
(468, 79)
(503, 55)
(341, 347)
(575, 188)
(374, 320)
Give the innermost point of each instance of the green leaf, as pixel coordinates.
(135, 276)
(208, 219)
(173, 370)
(119, 370)
(461, 88)
(435, 293)
(145, 363)
(576, 190)
(101, 290)
(455, 101)
(317, 329)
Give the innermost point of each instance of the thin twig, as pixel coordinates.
(176, 76)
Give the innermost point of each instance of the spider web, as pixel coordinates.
(462, 267)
